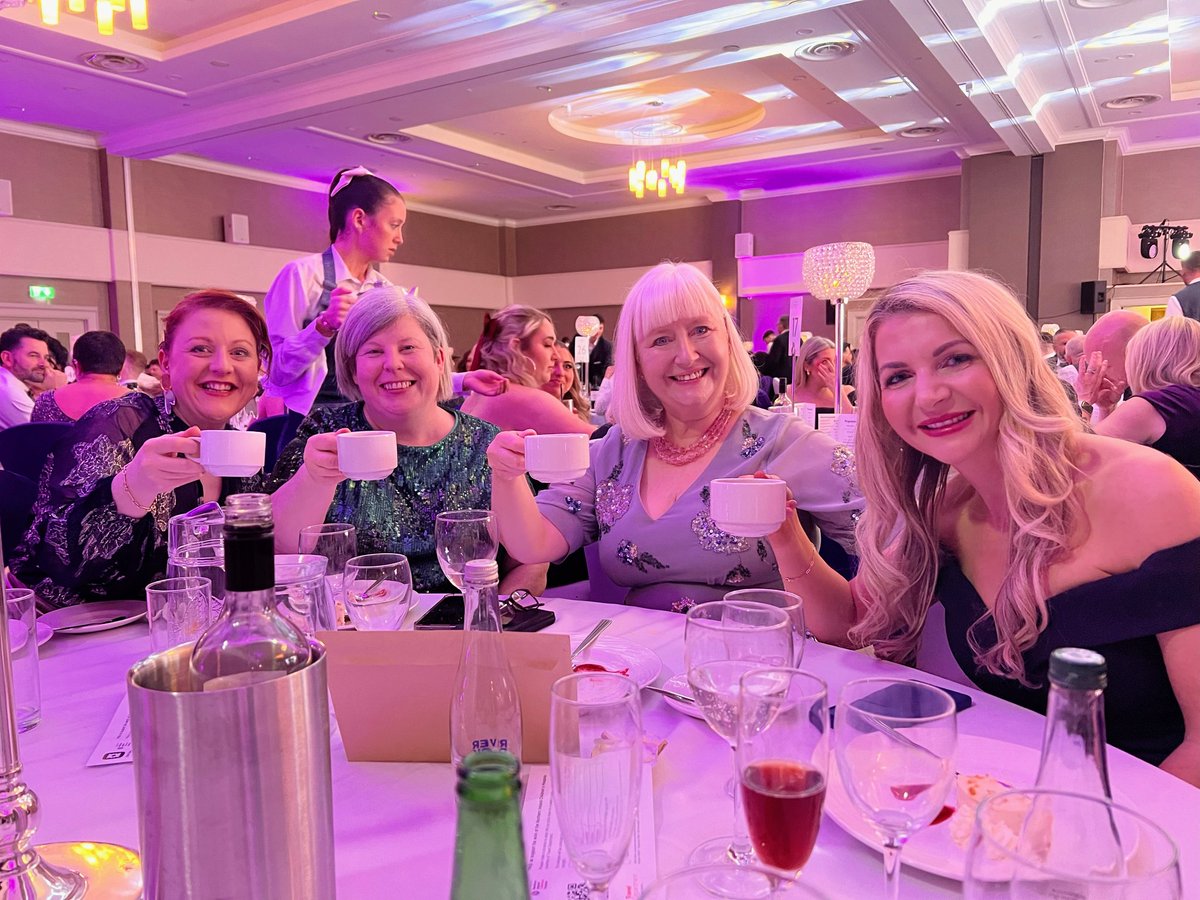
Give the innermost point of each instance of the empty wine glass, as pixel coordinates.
(782, 756)
(338, 543)
(740, 883)
(722, 641)
(894, 743)
(1034, 843)
(379, 589)
(785, 600)
(596, 770)
(462, 535)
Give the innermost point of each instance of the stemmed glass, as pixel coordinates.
(894, 742)
(706, 882)
(1035, 843)
(782, 756)
(596, 770)
(462, 535)
(379, 589)
(338, 543)
(785, 600)
(722, 641)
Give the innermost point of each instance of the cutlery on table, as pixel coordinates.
(591, 637)
(674, 695)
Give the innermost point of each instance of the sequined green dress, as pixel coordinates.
(396, 514)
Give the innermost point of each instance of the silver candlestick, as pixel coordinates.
(62, 871)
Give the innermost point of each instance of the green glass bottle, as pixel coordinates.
(489, 852)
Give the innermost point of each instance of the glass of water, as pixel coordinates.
(196, 549)
(462, 535)
(338, 543)
(379, 589)
(302, 593)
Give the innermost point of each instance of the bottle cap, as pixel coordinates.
(481, 571)
(1077, 669)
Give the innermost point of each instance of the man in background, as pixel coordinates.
(24, 351)
(599, 357)
(1102, 380)
(1186, 301)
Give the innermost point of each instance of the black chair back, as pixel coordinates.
(24, 448)
(279, 431)
(17, 494)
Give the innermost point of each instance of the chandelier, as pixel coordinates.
(105, 12)
(658, 179)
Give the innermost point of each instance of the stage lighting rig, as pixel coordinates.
(1154, 240)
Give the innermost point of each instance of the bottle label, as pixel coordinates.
(489, 744)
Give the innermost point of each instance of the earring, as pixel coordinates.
(168, 400)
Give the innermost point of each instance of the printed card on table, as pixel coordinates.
(116, 745)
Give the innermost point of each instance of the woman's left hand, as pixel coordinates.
(321, 458)
(486, 382)
(506, 454)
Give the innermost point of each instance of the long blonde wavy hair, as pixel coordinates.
(501, 345)
(1038, 437)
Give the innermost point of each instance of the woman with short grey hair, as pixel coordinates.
(392, 358)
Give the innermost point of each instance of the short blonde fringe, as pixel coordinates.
(1163, 353)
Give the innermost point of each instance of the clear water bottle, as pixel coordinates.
(250, 641)
(489, 852)
(1073, 746)
(485, 709)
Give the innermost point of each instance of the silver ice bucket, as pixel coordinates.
(234, 788)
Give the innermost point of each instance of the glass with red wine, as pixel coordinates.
(782, 761)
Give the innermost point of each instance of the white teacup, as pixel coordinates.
(555, 458)
(232, 454)
(367, 455)
(748, 507)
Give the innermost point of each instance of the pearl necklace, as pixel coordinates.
(674, 455)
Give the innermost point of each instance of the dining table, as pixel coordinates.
(394, 823)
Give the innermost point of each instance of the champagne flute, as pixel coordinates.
(1033, 843)
(379, 590)
(894, 742)
(462, 535)
(782, 755)
(338, 543)
(785, 600)
(596, 770)
(722, 641)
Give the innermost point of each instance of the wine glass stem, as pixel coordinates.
(597, 892)
(891, 868)
(739, 848)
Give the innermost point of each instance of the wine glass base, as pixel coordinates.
(85, 869)
(730, 880)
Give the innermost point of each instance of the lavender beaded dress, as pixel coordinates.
(683, 558)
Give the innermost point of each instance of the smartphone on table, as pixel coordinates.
(447, 615)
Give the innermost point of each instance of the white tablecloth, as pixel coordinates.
(394, 822)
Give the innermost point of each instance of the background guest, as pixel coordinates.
(1186, 301)
(57, 362)
(681, 406)
(985, 494)
(599, 355)
(518, 342)
(1163, 363)
(779, 360)
(24, 351)
(99, 358)
(311, 296)
(818, 376)
(565, 383)
(135, 365)
(1102, 380)
(392, 359)
(99, 527)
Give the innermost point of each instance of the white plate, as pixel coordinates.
(679, 684)
(44, 632)
(99, 616)
(619, 655)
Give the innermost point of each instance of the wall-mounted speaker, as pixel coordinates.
(6, 207)
(743, 244)
(1093, 297)
(237, 228)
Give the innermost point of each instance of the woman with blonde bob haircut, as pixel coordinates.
(519, 343)
(985, 494)
(681, 410)
(1163, 365)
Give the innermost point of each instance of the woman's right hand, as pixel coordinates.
(163, 464)
(506, 454)
(341, 299)
(321, 458)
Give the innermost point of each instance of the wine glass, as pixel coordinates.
(1035, 843)
(379, 589)
(722, 641)
(302, 593)
(742, 883)
(596, 770)
(894, 742)
(338, 543)
(782, 756)
(463, 535)
(785, 600)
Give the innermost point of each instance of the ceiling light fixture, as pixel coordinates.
(388, 137)
(823, 51)
(1097, 4)
(1133, 101)
(647, 177)
(559, 207)
(121, 63)
(920, 131)
(105, 12)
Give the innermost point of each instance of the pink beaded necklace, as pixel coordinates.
(674, 455)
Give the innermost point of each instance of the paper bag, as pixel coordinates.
(391, 690)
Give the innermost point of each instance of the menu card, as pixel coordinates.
(116, 745)
(552, 874)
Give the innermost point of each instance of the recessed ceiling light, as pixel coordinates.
(218, 64)
(121, 63)
(395, 118)
(388, 137)
(1124, 56)
(730, 48)
(1100, 59)
(804, 32)
(545, 87)
(920, 131)
(175, 77)
(1133, 101)
(559, 207)
(1097, 4)
(381, 16)
(826, 50)
(655, 103)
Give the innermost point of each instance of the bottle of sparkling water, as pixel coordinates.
(489, 852)
(485, 708)
(1073, 747)
(250, 641)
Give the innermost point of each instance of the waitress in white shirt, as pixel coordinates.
(310, 296)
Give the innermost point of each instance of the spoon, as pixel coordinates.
(591, 637)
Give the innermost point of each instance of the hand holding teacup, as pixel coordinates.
(366, 455)
(749, 507)
(557, 458)
(162, 464)
(506, 454)
(321, 457)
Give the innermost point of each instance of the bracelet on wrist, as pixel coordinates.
(324, 328)
(812, 561)
(129, 493)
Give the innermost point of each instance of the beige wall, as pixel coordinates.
(995, 205)
(1157, 186)
(1073, 185)
(52, 182)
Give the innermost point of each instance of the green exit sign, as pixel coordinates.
(42, 293)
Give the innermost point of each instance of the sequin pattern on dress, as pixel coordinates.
(627, 552)
(682, 605)
(751, 442)
(573, 504)
(843, 466)
(737, 574)
(612, 499)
